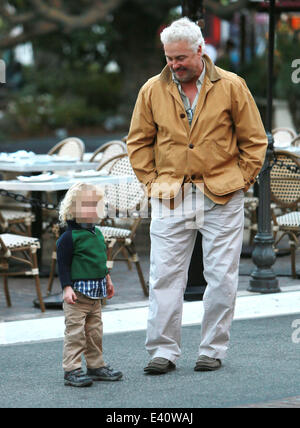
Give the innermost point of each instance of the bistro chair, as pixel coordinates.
(108, 151)
(56, 231)
(16, 221)
(20, 249)
(126, 202)
(285, 193)
(283, 136)
(250, 206)
(296, 141)
(72, 147)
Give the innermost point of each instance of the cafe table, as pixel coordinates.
(40, 163)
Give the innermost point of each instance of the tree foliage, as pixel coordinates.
(40, 17)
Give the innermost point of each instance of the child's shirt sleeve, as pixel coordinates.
(64, 251)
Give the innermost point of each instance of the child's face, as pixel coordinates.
(86, 207)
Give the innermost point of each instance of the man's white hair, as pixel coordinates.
(183, 29)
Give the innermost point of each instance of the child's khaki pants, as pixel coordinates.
(83, 334)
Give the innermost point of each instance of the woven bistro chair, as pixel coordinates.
(250, 206)
(285, 193)
(125, 203)
(283, 136)
(26, 249)
(296, 141)
(108, 151)
(16, 221)
(56, 231)
(72, 146)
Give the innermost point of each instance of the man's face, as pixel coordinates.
(183, 61)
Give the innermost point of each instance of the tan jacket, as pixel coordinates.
(224, 147)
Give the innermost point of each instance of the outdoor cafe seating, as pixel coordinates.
(296, 141)
(71, 146)
(283, 137)
(20, 249)
(107, 151)
(119, 228)
(285, 194)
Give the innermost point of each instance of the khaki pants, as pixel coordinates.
(172, 244)
(83, 334)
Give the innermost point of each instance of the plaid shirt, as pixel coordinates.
(93, 289)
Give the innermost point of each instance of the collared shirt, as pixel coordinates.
(93, 289)
(190, 109)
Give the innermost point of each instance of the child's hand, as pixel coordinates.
(110, 291)
(69, 295)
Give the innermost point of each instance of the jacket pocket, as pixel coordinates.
(216, 158)
(222, 174)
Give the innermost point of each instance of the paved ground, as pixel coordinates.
(262, 366)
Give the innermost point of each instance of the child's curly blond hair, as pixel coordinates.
(66, 209)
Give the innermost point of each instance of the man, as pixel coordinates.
(195, 128)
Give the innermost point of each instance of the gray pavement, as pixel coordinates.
(262, 366)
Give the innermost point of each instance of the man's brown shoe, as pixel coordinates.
(204, 364)
(159, 366)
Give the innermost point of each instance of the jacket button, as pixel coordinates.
(182, 115)
(191, 146)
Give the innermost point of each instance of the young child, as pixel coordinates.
(81, 259)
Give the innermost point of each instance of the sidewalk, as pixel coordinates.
(262, 366)
(261, 369)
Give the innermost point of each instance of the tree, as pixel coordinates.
(131, 38)
(39, 17)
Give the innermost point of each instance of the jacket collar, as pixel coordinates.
(211, 71)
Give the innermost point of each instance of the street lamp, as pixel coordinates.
(263, 278)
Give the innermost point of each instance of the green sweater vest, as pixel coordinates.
(89, 255)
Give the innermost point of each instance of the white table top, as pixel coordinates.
(61, 183)
(39, 163)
